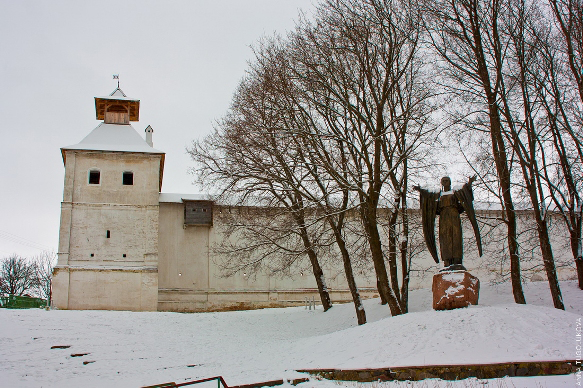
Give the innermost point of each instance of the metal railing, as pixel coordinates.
(220, 383)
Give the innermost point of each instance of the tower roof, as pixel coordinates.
(116, 138)
(117, 95)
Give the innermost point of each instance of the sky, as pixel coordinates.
(181, 59)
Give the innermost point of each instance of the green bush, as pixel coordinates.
(21, 302)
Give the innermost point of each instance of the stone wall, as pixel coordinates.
(108, 243)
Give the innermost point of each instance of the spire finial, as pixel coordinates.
(116, 76)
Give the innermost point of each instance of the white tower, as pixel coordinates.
(108, 241)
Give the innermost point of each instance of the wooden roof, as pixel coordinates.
(102, 102)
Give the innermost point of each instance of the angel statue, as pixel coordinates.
(448, 204)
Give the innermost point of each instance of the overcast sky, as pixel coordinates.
(182, 59)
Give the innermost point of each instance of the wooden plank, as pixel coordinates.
(198, 213)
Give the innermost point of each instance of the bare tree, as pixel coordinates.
(43, 267)
(521, 108)
(463, 33)
(325, 124)
(560, 90)
(17, 276)
(569, 17)
(359, 70)
(251, 155)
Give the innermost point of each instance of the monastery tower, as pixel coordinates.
(108, 240)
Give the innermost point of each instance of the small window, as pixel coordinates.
(94, 176)
(124, 255)
(107, 234)
(128, 178)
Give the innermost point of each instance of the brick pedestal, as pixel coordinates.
(454, 289)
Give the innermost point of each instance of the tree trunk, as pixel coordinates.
(393, 270)
(404, 255)
(405, 272)
(317, 270)
(579, 264)
(381, 295)
(371, 227)
(319, 275)
(549, 262)
(545, 246)
(360, 313)
(500, 159)
(576, 247)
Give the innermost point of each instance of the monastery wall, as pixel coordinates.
(192, 276)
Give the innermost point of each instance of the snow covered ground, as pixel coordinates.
(130, 349)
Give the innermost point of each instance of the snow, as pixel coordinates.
(431, 188)
(454, 276)
(452, 290)
(114, 137)
(144, 348)
(179, 198)
(117, 94)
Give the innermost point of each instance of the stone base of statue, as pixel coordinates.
(454, 289)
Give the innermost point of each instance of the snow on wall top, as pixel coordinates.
(179, 198)
(114, 137)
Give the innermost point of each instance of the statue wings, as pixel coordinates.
(465, 196)
(429, 201)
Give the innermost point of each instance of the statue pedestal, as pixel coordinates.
(454, 289)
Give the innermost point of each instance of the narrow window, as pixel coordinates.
(94, 176)
(107, 234)
(128, 178)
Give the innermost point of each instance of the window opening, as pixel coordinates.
(94, 176)
(107, 234)
(128, 178)
(92, 255)
(124, 255)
